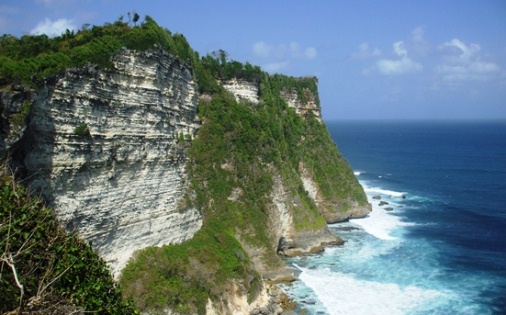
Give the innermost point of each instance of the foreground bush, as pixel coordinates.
(44, 269)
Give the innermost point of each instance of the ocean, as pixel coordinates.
(437, 242)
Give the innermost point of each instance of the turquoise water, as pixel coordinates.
(442, 248)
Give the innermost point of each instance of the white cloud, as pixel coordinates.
(52, 28)
(399, 66)
(365, 52)
(399, 49)
(294, 49)
(261, 49)
(283, 51)
(420, 45)
(462, 62)
(310, 53)
(279, 57)
(276, 66)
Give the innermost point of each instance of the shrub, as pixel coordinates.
(41, 262)
(82, 130)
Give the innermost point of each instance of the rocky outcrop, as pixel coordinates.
(15, 104)
(105, 148)
(242, 89)
(249, 91)
(352, 209)
(270, 301)
(305, 103)
(291, 240)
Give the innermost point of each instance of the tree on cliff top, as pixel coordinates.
(39, 56)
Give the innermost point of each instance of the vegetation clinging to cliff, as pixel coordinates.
(239, 150)
(239, 153)
(42, 267)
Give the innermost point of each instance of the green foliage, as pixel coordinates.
(273, 85)
(18, 120)
(222, 68)
(50, 263)
(82, 130)
(41, 56)
(233, 160)
(330, 169)
(183, 277)
(236, 158)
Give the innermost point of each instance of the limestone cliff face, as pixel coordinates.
(102, 145)
(303, 101)
(249, 91)
(242, 89)
(308, 103)
(331, 209)
(108, 149)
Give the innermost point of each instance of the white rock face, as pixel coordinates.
(122, 182)
(242, 90)
(248, 90)
(281, 218)
(301, 108)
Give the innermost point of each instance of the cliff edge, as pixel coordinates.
(193, 177)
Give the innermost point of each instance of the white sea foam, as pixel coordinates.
(386, 192)
(343, 294)
(380, 223)
(357, 173)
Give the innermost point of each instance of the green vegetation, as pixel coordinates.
(41, 263)
(239, 153)
(222, 68)
(330, 169)
(36, 56)
(18, 120)
(185, 276)
(82, 130)
(239, 148)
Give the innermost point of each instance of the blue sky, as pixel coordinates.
(374, 59)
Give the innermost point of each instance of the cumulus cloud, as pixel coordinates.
(52, 28)
(310, 53)
(401, 65)
(365, 52)
(421, 46)
(261, 49)
(290, 50)
(279, 57)
(276, 66)
(465, 62)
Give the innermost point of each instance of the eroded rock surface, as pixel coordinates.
(103, 146)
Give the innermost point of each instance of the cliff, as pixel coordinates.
(119, 183)
(202, 185)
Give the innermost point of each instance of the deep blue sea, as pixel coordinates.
(441, 249)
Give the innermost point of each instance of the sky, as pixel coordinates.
(387, 60)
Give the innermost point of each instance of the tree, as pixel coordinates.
(136, 18)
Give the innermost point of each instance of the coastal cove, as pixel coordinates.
(436, 243)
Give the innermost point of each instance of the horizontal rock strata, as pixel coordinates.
(103, 146)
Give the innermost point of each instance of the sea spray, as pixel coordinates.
(378, 270)
(442, 235)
